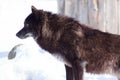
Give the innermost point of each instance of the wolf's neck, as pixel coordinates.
(47, 44)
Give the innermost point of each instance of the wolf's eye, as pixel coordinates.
(26, 25)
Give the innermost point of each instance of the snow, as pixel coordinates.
(31, 62)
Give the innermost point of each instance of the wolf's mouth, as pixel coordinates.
(23, 36)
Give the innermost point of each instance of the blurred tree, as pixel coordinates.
(99, 14)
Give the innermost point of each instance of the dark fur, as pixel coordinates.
(80, 47)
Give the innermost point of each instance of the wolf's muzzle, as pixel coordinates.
(19, 35)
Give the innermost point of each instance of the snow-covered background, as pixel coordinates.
(31, 62)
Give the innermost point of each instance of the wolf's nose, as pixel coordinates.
(17, 34)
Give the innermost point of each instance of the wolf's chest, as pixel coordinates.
(62, 58)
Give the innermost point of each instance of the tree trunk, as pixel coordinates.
(99, 14)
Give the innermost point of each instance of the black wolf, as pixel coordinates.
(81, 48)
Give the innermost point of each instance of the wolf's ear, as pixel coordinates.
(34, 10)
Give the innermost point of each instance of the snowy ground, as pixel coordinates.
(30, 63)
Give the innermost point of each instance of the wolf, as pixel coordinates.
(82, 49)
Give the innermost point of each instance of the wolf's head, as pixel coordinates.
(32, 24)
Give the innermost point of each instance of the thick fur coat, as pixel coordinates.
(80, 47)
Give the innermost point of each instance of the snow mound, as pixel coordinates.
(30, 64)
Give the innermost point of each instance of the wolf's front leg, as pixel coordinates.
(77, 70)
(69, 73)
